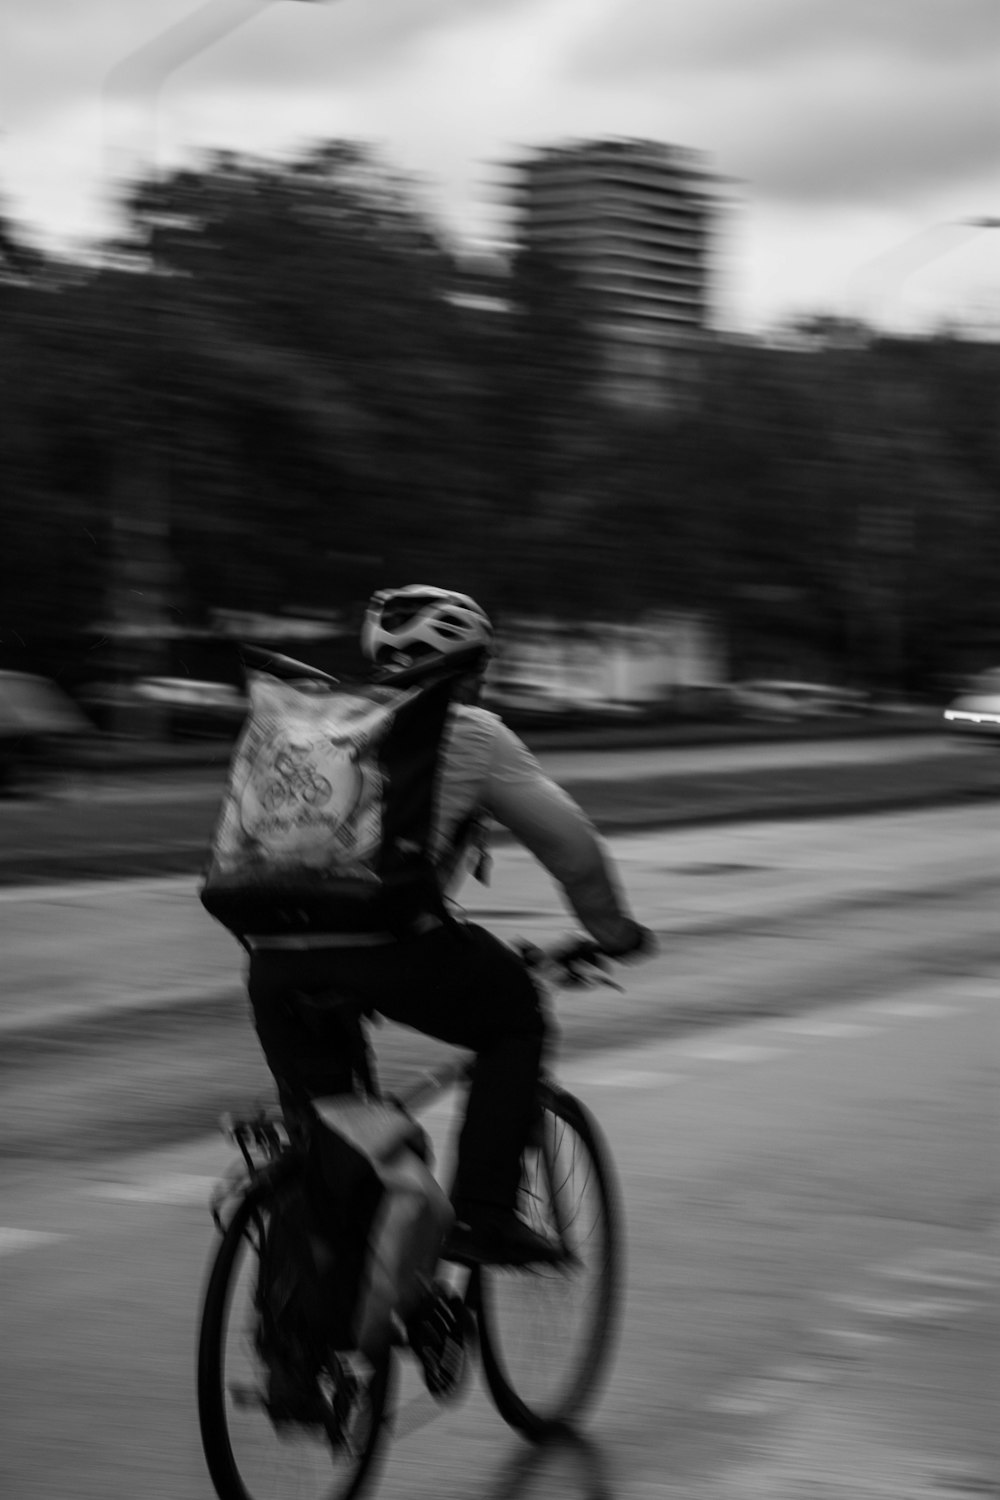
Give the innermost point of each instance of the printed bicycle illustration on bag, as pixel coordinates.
(285, 1412)
(293, 779)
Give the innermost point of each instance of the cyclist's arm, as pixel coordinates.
(559, 834)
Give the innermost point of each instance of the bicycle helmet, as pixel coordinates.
(419, 623)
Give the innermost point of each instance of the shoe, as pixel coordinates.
(437, 1337)
(497, 1237)
(291, 1398)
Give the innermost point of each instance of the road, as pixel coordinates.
(800, 1092)
(813, 1221)
(140, 824)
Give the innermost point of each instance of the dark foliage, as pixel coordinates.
(283, 388)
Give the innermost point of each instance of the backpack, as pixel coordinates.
(326, 817)
(352, 1244)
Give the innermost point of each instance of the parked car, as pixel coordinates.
(775, 699)
(195, 707)
(528, 700)
(39, 727)
(189, 706)
(975, 713)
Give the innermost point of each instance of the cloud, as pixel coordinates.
(62, 48)
(848, 123)
(822, 101)
(853, 146)
(643, 36)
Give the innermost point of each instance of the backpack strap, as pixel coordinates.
(474, 833)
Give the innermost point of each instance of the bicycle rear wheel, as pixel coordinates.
(546, 1331)
(254, 1451)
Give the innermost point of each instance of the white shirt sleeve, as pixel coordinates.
(543, 817)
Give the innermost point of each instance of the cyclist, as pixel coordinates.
(453, 980)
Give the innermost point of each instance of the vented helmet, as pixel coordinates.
(406, 626)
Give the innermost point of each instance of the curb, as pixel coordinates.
(124, 1019)
(215, 754)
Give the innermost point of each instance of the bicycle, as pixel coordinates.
(544, 1332)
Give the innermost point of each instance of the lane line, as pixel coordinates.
(13, 1240)
(940, 1278)
(904, 1309)
(819, 1026)
(94, 891)
(624, 1078)
(177, 1188)
(726, 1051)
(970, 1269)
(915, 1010)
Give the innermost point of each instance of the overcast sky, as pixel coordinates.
(849, 127)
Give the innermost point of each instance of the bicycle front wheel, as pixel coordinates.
(546, 1331)
(322, 1442)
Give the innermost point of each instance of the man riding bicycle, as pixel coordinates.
(451, 979)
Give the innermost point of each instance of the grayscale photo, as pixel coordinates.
(499, 749)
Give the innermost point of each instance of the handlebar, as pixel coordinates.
(581, 962)
(577, 963)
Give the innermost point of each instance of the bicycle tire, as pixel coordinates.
(541, 1374)
(249, 1456)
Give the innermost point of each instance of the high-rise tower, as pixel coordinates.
(632, 220)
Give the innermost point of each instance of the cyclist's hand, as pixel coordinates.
(582, 963)
(640, 942)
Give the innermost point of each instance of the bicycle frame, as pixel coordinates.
(542, 1332)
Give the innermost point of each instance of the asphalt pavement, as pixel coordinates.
(753, 918)
(93, 916)
(810, 1309)
(811, 1194)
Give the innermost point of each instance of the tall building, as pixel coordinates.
(633, 221)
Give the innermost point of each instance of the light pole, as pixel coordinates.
(140, 75)
(140, 497)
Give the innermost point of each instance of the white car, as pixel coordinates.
(975, 713)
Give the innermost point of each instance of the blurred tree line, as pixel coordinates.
(281, 388)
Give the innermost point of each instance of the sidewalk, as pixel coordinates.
(114, 755)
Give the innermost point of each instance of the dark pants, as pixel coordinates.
(457, 983)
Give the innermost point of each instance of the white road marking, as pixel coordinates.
(726, 1051)
(819, 1026)
(856, 1336)
(977, 987)
(181, 1188)
(940, 1278)
(89, 892)
(967, 1269)
(902, 1309)
(13, 1240)
(624, 1078)
(914, 1010)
